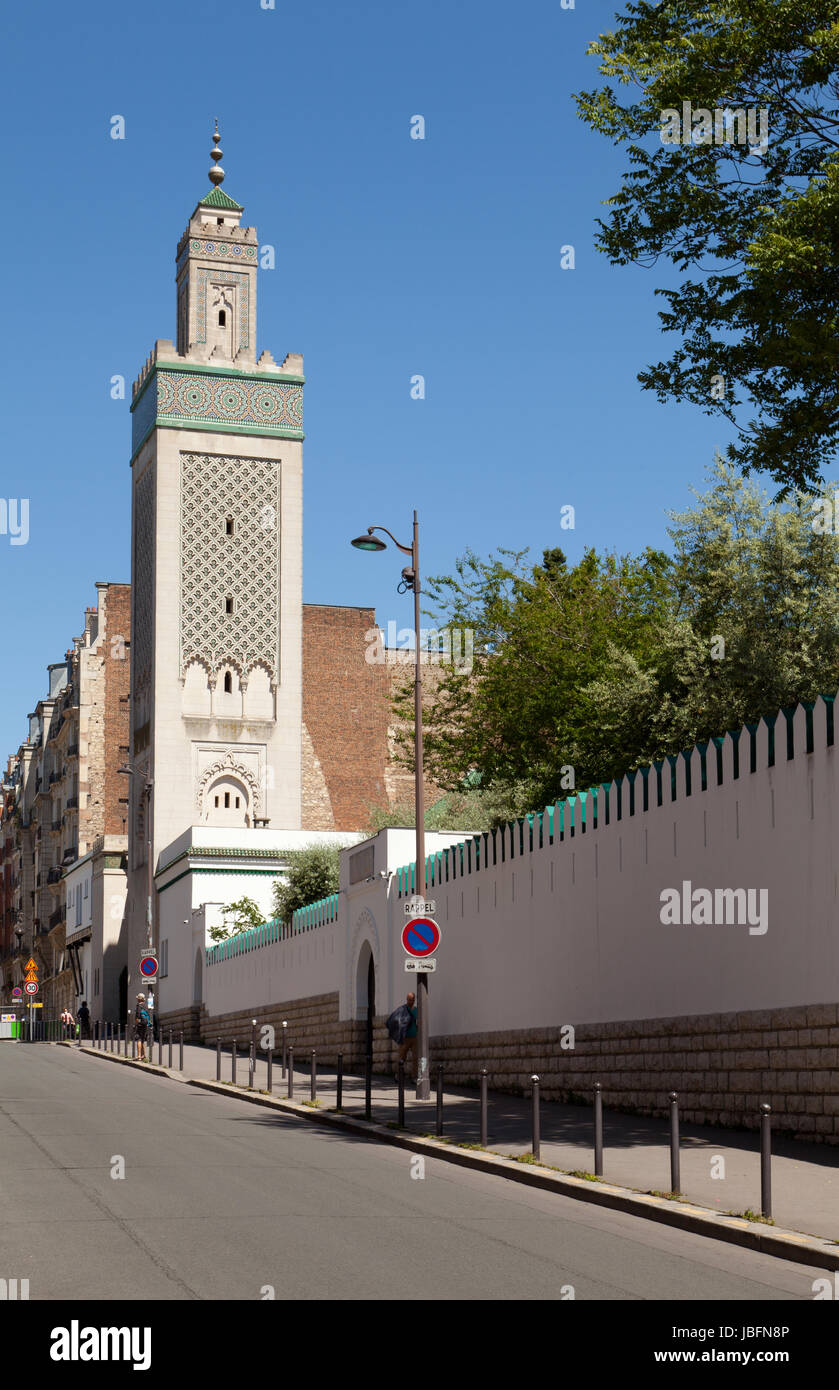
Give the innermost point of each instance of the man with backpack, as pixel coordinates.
(402, 1029)
(141, 1027)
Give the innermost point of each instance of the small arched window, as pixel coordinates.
(228, 605)
(228, 683)
(228, 526)
(222, 318)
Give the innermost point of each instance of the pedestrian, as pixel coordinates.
(402, 1029)
(141, 1027)
(69, 1023)
(84, 1019)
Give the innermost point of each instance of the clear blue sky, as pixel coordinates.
(394, 257)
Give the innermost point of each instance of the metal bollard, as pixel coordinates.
(291, 1073)
(269, 1082)
(96, 1032)
(125, 1042)
(313, 1091)
(675, 1176)
(285, 1031)
(484, 1108)
(159, 1046)
(439, 1099)
(765, 1160)
(218, 1059)
(368, 1086)
(598, 1130)
(181, 1063)
(110, 1046)
(400, 1082)
(535, 1146)
(170, 1047)
(251, 1065)
(339, 1085)
(233, 1059)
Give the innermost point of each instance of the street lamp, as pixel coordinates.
(128, 771)
(411, 580)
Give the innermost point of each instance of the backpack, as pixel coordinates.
(399, 1023)
(143, 1017)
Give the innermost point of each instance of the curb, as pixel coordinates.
(767, 1240)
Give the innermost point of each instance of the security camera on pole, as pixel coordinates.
(411, 580)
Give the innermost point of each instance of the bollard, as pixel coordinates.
(269, 1082)
(125, 1042)
(484, 1108)
(218, 1059)
(96, 1032)
(368, 1086)
(110, 1046)
(313, 1090)
(233, 1060)
(400, 1082)
(765, 1161)
(439, 1099)
(339, 1085)
(598, 1130)
(252, 1056)
(285, 1030)
(535, 1146)
(181, 1063)
(675, 1176)
(170, 1047)
(291, 1073)
(159, 1046)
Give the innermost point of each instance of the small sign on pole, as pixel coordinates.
(419, 967)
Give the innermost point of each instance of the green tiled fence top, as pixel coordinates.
(303, 919)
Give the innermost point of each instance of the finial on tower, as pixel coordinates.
(216, 172)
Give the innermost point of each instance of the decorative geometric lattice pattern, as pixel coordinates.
(202, 278)
(243, 567)
(142, 622)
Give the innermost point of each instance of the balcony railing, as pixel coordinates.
(54, 876)
(72, 803)
(73, 750)
(56, 825)
(57, 917)
(54, 777)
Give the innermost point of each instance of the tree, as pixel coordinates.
(245, 914)
(541, 634)
(312, 875)
(752, 229)
(754, 628)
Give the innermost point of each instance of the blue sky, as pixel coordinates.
(394, 257)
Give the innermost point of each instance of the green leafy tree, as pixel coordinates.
(752, 230)
(312, 874)
(754, 628)
(238, 917)
(516, 723)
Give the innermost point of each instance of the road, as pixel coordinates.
(224, 1200)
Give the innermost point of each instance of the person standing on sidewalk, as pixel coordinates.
(84, 1020)
(68, 1022)
(409, 1045)
(141, 1027)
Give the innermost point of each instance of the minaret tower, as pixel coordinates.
(216, 565)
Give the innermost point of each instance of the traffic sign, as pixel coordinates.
(148, 966)
(30, 976)
(31, 964)
(35, 1004)
(419, 967)
(419, 907)
(8, 1018)
(31, 987)
(17, 992)
(421, 936)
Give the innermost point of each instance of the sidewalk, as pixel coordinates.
(805, 1177)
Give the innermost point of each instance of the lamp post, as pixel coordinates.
(411, 580)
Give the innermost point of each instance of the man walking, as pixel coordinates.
(409, 1043)
(141, 1027)
(68, 1022)
(84, 1020)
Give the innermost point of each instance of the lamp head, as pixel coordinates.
(369, 542)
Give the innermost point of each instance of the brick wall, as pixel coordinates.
(724, 1066)
(312, 1023)
(345, 711)
(117, 680)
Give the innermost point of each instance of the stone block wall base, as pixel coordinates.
(723, 1066)
(188, 1019)
(312, 1023)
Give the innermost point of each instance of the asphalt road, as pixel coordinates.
(223, 1200)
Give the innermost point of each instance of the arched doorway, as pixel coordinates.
(365, 993)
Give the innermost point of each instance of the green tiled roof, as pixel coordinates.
(216, 198)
